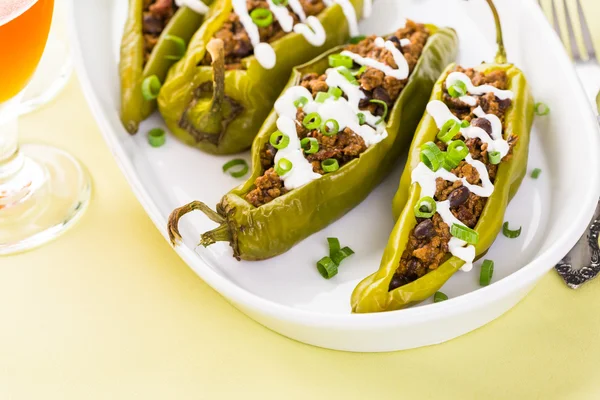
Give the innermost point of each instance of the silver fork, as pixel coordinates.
(582, 263)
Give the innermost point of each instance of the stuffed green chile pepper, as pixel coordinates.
(218, 96)
(337, 130)
(467, 160)
(155, 36)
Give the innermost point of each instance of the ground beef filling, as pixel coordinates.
(156, 16)
(346, 145)
(235, 38)
(427, 246)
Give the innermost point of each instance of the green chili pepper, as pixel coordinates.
(183, 24)
(372, 294)
(272, 229)
(221, 111)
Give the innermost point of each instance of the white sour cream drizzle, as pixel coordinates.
(311, 28)
(195, 5)
(476, 90)
(342, 110)
(399, 73)
(426, 178)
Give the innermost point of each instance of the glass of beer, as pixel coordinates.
(43, 190)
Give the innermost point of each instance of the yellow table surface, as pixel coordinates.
(109, 311)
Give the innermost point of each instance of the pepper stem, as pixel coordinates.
(216, 48)
(220, 234)
(501, 54)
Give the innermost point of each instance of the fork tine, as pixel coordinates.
(574, 30)
(586, 34)
(560, 24)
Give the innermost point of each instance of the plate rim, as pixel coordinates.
(240, 296)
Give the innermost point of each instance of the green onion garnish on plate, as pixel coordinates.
(536, 173)
(334, 245)
(157, 137)
(439, 296)
(541, 109)
(511, 234)
(342, 254)
(327, 268)
(487, 270)
(357, 39)
(237, 172)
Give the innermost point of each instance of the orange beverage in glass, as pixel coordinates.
(43, 190)
(24, 27)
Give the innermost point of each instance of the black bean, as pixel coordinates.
(397, 281)
(482, 123)
(394, 39)
(381, 94)
(424, 229)
(504, 104)
(458, 196)
(365, 101)
(152, 24)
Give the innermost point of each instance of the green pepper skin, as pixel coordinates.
(134, 109)
(372, 295)
(272, 229)
(250, 92)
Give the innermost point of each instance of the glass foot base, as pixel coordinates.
(51, 201)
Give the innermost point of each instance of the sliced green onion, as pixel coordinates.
(301, 102)
(280, 2)
(238, 172)
(334, 246)
(335, 92)
(179, 45)
(312, 121)
(345, 72)
(457, 150)
(541, 109)
(262, 17)
(362, 118)
(510, 233)
(360, 71)
(464, 233)
(439, 296)
(157, 137)
(338, 60)
(449, 163)
(313, 145)
(465, 124)
(495, 157)
(357, 39)
(432, 156)
(283, 166)
(458, 89)
(425, 207)
(279, 140)
(385, 109)
(330, 127)
(327, 268)
(151, 87)
(536, 173)
(321, 97)
(487, 270)
(330, 165)
(340, 255)
(448, 131)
